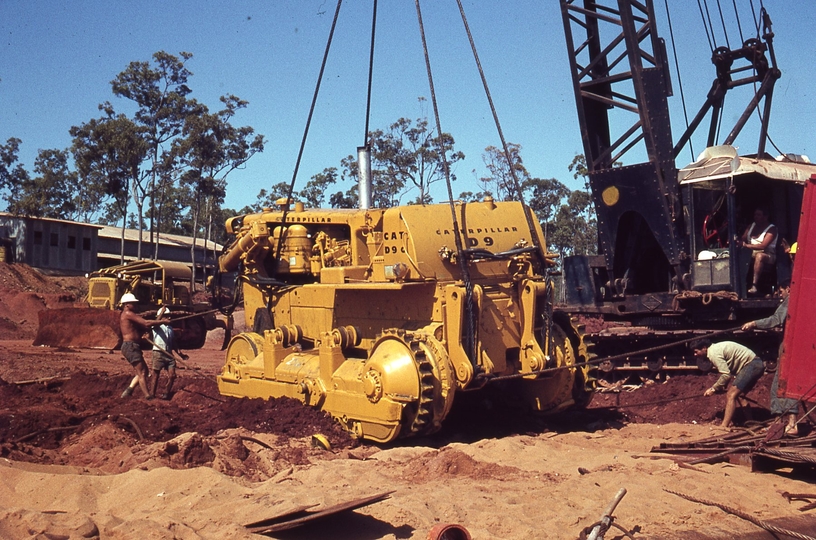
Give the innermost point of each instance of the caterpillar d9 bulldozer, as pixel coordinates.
(380, 316)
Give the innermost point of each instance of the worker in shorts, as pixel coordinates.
(733, 361)
(132, 326)
(164, 346)
(786, 407)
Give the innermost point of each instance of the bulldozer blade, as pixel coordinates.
(227, 332)
(89, 328)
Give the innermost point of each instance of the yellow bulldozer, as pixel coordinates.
(96, 323)
(380, 316)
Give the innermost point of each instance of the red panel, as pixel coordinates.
(797, 376)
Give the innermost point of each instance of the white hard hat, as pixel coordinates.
(128, 298)
(162, 311)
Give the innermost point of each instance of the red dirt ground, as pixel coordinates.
(60, 421)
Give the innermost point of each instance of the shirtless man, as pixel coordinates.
(133, 326)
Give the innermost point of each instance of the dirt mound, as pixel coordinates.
(81, 420)
(58, 328)
(24, 292)
(449, 462)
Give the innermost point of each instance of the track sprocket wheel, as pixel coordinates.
(436, 383)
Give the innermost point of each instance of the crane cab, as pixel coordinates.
(721, 192)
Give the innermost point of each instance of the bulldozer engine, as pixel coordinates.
(366, 314)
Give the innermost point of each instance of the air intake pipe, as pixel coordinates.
(364, 177)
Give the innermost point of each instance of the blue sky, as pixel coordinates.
(57, 60)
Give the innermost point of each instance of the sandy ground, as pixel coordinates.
(77, 461)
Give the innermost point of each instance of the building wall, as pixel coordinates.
(67, 247)
(52, 245)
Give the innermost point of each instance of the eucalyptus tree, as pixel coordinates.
(209, 149)
(567, 216)
(500, 181)
(108, 153)
(50, 192)
(12, 173)
(408, 156)
(160, 92)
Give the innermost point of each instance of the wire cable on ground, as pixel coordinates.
(733, 511)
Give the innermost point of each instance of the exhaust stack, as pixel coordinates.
(364, 177)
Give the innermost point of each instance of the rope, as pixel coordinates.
(789, 455)
(511, 168)
(739, 26)
(756, 19)
(516, 184)
(706, 298)
(470, 323)
(759, 523)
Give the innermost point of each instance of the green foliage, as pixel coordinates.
(567, 216)
(267, 199)
(107, 154)
(314, 192)
(574, 229)
(578, 167)
(545, 196)
(160, 92)
(501, 181)
(51, 192)
(12, 174)
(173, 154)
(407, 157)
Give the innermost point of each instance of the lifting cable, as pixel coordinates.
(516, 184)
(488, 379)
(511, 168)
(470, 323)
(370, 74)
(679, 78)
(722, 21)
(739, 25)
(712, 41)
(305, 135)
(765, 31)
(754, 13)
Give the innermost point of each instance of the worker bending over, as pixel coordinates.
(733, 361)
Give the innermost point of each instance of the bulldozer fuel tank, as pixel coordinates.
(368, 315)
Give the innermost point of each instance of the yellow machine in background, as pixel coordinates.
(375, 316)
(96, 323)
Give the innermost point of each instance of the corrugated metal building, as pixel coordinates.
(67, 247)
(172, 247)
(53, 245)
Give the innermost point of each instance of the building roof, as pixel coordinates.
(720, 162)
(115, 233)
(65, 221)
